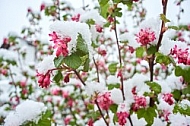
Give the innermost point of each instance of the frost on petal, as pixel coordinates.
(116, 95)
(63, 28)
(26, 111)
(46, 65)
(92, 87)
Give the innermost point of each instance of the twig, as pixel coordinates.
(79, 77)
(97, 70)
(101, 113)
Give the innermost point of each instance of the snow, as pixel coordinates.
(153, 24)
(92, 87)
(46, 64)
(112, 79)
(63, 28)
(27, 111)
(179, 120)
(116, 96)
(8, 55)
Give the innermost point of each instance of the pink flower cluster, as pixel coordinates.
(44, 79)
(145, 36)
(76, 18)
(140, 101)
(60, 43)
(104, 100)
(122, 117)
(168, 97)
(182, 55)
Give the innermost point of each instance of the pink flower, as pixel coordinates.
(145, 36)
(119, 74)
(67, 120)
(44, 80)
(168, 97)
(5, 41)
(60, 43)
(23, 83)
(55, 91)
(140, 101)
(90, 122)
(24, 91)
(104, 100)
(102, 52)
(3, 71)
(99, 28)
(76, 18)
(181, 55)
(122, 118)
(166, 114)
(66, 78)
(42, 7)
(65, 94)
(54, 37)
(110, 19)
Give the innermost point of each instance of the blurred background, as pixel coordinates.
(13, 12)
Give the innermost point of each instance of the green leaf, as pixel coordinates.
(58, 61)
(81, 45)
(86, 65)
(103, 2)
(90, 22)
(151, 50)
(116, 1)
(73, 61)
(162, 59)
(173, 27)
(140, 52)
(112, 68)
(104, 10)
(178, 71)
(113, 108)
(112, 86)
(45, 120)
(58, 77)
(154, 86)
(163, 18)
(177, 94)
(185, 110)
(129, 3)
(148, 114)
(186, 90)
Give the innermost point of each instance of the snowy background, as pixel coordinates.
(13, 12)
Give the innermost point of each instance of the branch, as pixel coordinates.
(97, 70)
(79, 77)
(101, 113)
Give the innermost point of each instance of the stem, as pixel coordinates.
(79, 77)
(130, 120)
(120, 62)
(115, 31)
(152, 58)
(101, 113)
(97, 70)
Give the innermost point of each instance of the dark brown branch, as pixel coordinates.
(101, 113)
(79, 77)
(97, 70)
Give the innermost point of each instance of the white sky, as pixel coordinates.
(13, 12)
